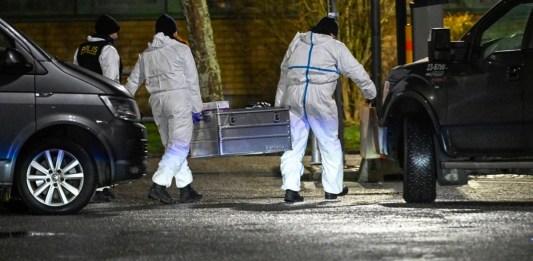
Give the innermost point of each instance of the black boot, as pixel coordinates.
(104, 195)
(160, 192)
(188, 194)
(108, 193)
(293, 196)
(99, 197)
(334, 196)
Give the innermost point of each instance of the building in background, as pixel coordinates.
(248, 55)
(249, 59)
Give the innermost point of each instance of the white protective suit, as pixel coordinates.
(109, 60)
(169, 70)
(308, 78)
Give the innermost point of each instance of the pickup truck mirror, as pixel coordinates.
(439, 44)
(12, 61)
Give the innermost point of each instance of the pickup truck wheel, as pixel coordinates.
(56, 177)
(419, 181)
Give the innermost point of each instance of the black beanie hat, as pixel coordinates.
(106, 25)
(167, 25)
(327, 26)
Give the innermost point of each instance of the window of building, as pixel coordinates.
(28, 10)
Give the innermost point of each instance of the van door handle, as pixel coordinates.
(513, 72)
(44, 94)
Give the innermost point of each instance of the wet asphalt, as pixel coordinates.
(243, 217)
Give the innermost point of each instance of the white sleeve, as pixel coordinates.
(350, 67)
(136, 77)
(110, 63)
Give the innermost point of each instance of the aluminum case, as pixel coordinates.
(225, 132)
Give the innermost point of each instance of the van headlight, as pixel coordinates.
(122, 108)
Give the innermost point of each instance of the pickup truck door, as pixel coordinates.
(527, 69)
(485, 93)
(17, 106)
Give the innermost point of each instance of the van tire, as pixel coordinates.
(419, 181)
(51, 190)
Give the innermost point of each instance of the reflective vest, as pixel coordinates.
(88, 54)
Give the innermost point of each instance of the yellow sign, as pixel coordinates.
(92, 50)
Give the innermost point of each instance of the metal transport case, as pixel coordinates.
(225, 131)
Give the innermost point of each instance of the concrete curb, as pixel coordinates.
(256, 164)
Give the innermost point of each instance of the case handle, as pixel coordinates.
(276, 117)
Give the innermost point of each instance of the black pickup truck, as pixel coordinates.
(467, 108)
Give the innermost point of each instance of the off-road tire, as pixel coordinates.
(419, 181)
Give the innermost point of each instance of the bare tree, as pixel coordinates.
(354, 31)
(203, 47)
(283, 19)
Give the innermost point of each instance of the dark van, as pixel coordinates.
(64, 130)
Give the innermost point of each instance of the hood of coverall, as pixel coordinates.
(317, 38)
(160, 40)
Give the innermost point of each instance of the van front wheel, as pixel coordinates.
(56, 176)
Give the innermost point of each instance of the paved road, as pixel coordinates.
(243, 218)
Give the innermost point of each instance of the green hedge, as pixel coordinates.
(351, 139)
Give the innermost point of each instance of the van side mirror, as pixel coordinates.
(12, 61)
(439, 44)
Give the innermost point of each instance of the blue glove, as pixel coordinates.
(196, 117)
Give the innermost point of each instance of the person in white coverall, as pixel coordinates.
(99, 55)
(309, 74)
(168, 69)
